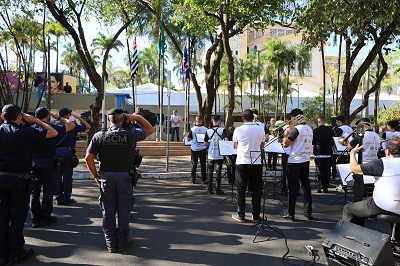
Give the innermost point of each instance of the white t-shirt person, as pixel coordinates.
(175, 119)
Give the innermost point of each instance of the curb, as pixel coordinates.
(170, 175)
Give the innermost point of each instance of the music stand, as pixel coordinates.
(226, 149)
(274, 146)
(261, 224)
(346, 177)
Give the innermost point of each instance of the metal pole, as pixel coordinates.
(259, 82)
(169, 103)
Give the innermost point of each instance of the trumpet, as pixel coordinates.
(292, 123)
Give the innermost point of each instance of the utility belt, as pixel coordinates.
(134, 173)
(24, 176)
(30, 178)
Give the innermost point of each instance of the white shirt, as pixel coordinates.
(249, 137)
(387, 187)
(371, 144)
(214, 134)
(301, 147)
(175, 120)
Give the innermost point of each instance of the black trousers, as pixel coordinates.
(196, 155)
(249, 174)
(211, 164)
(299, 172)
(230, 172)
(356, 212)
(285, 158)
(272, 157)
(323, 167)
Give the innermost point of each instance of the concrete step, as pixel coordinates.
(147, 148)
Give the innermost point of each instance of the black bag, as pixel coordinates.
(74, 161)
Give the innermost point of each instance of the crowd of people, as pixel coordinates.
(38, 156)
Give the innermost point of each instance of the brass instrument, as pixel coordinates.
(345, 140)
(228, 161)
(292, 123)
(361, 128)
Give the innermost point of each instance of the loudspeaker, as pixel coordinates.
(351, 244)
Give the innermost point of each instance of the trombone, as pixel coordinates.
(292, 123)
(345, 140)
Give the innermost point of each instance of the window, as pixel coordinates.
(251, 35)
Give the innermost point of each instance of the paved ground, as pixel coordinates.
(175, 222)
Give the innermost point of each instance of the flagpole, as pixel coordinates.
(133, 79)
(188, 87)
(161, 97)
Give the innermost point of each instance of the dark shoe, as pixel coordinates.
(3, 261)
(283, 193)
(47, 222)
(288, 216)
(210, 192)
(325, 190)
(219, 192)
(35, 225)
(238, 218)
(67, 202)
(124, 247)
(26, 254)
(308, 216)
(112, 249)
(256, 219)
(318, 190)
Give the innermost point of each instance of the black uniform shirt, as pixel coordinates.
(47, 148)
(16, 143)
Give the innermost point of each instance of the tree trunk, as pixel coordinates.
(323, 79)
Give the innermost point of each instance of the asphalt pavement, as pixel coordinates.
(175, 222)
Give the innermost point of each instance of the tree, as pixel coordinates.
(240, 76)
(390, 113)
(55, 28)
(70, 15)
(313, 107)
(359, 22)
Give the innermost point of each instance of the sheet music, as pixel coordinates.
(274, 146)
(226, 148)
(186, 142)
(255, 157)
(338, 146)
(200, 138)
(347, 176)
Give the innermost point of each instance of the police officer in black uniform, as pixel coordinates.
(45, 160)
(115, 148)
(16, 140)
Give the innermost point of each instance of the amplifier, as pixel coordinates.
(351, 244)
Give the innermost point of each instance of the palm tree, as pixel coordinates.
(56, 29)
(277, 55)
(103, 41)
(240, 76)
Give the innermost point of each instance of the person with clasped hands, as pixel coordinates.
(386, 196)
(16, 142)
(115, 148)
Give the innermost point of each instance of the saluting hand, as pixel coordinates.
(29, 118)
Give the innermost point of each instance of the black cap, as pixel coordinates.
(11, 111)
(216, 118)
(41, 112)
(115, 111)
(64, 111)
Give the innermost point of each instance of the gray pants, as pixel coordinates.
(116, 197)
